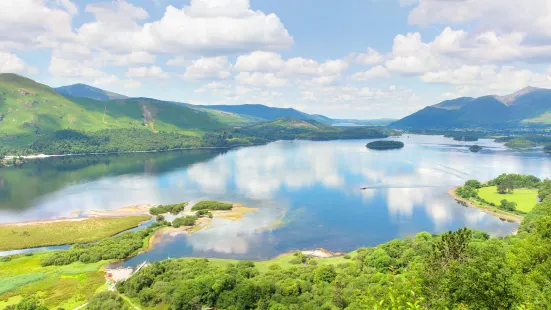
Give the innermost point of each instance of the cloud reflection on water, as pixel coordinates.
(406, 192)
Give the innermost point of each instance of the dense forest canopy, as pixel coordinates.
(70, 141)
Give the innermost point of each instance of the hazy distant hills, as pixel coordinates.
(260, 111)
(527, 107)
(251, 112)
(87, 91)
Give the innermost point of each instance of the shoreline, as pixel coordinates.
(503, 216)
(42, 156)
(80, 215)
(235, 214)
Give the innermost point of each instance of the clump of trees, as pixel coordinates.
(106, 301)
(385, 145)
(516, 180)
(173, 209)
(475, 148)
(544, 189)
(469, 189)
(28, 303)
(203, 213)
(118, 247)
(188, 220)
(211, 205)
(508, 205)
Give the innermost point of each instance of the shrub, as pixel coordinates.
(508, 205)
(106, 301)
(473, 184)
(211, 205)
(187, 220)
(203, 213)
(173, 209)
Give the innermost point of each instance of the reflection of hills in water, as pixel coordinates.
(313, 187)
(19, 186)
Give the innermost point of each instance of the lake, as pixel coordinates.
(308, 193)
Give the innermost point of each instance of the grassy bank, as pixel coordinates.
(57, 286)
(37, 234)
(492, 210)
(525, 198)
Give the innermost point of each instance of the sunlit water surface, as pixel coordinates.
(308, 193)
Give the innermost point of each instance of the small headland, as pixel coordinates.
(197, 217)
(508, 197)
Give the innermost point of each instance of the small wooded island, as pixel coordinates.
(385, 145)
(475, 148)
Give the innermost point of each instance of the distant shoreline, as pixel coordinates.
(503, 216)
(41, 156)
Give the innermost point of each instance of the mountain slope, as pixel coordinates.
(87, 91)
(233, 115)
(261, 111)
(288, 128)
(527, 107)
(31, 109)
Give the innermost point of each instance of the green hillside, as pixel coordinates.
(87, 91)
(29, 110)
(290, 128)
(529, 107)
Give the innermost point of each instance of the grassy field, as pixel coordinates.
(520, 143)
(31, 235)
(544, 119)
(526, 198)
(57, 286)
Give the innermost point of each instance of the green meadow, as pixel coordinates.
(57, 286)
(16, 236)
(525, 198)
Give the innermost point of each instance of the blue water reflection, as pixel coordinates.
(308, 193)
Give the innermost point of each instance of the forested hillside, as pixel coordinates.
(290, 128)
(29, 110)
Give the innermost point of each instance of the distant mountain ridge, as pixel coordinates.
(528, 107)
(87, 91)
(261, 111)
(254, 112)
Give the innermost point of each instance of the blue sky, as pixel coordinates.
(350, 59)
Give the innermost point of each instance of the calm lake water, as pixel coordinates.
(308, 193)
